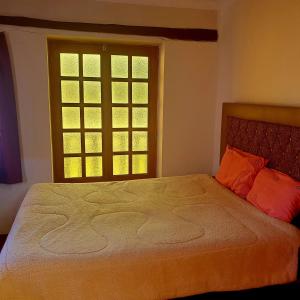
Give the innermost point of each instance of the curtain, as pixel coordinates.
(10, 163)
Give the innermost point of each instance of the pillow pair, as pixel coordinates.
(238, 170)
(271, 191)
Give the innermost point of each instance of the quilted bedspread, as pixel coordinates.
(142, 239)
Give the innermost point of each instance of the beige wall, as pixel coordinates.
(258, 54)
(187, 90)
(189, 107)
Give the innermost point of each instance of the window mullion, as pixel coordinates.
(106, 115)
(130, 111)
(82, 116)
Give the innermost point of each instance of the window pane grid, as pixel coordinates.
(132, 111)
(81, 91)
(138, 93)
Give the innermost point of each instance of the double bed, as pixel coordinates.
(148, 239)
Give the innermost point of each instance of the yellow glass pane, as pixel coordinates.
(72, 142)
(72, 167)
(139, 163)
(93, 142)
(70, 91)
(120, 117)
(120, 141)
(92, 91)
(119, 92)
(91, 65)
(140, 92)
(120, 165)
(92, 117)
(119, 66)
(69, 64)
(140, 117)
(93, 166)
(139, 67)
(71, 117)
(139, 141)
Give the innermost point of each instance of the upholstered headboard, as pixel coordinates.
(269, 131)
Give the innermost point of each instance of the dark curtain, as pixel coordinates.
(10, 163)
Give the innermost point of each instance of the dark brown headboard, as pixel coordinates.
(269, 131)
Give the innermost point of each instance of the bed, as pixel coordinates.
(146, 239)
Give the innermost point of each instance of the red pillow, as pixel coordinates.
(238, 170)
(276, 194)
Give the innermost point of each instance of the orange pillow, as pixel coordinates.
(238, 170)
(276, 194)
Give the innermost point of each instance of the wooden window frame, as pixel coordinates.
(57, 46)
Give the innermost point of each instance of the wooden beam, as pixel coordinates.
(188, 34)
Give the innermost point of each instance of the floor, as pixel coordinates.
(2, 240)
(287, 292)
(291, 291)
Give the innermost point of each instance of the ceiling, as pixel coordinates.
(195, 4)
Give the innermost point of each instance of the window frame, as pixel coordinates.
(57, 46)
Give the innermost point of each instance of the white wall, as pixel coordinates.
(186, 105)
(29, 60)
(189, 107)
(258, 55)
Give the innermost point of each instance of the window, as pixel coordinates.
(103, 110)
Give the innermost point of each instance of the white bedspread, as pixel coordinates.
(143, 239)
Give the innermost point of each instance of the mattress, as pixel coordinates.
(143, 239)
